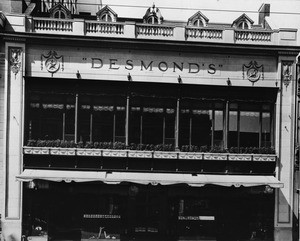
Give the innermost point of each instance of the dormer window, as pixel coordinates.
(198, 20)
(153, 16)
(106, 14)
(243, 22)
(59, 11)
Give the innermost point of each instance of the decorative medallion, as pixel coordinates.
(253, 71)
(53, 62)
(286, 73)
(15, 60)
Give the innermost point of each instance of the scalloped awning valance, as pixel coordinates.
(194, 180)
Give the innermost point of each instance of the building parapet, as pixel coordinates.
(131, 30)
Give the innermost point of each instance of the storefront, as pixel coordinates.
(85, 211)
(125, 137)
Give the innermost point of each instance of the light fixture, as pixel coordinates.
(228, 82)
(179, 79)
(129, 77)
(78, 75)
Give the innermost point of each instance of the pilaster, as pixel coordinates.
(285, 144)
(13, 138)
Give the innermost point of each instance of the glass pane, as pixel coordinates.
(103, 118)
(233, 129)
(266, 130)
(201, 127)
(170, 126)
(52, 117)
(120, 118)
(70, 118)
(249, 129)
(152, 123)
(84, 118)
(34, 121)
(135, 121)
(184, 127)
(219, 127)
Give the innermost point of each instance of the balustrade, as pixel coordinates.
(104, 28)
(154, 30)
(257, 36)
(53, 24)
(203, 33)
(95, 28)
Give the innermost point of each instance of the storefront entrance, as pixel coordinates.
(133, 212)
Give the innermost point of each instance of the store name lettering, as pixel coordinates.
(192, 68)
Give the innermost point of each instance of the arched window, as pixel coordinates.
(106, 17)
(152, 20)
(198, 23)
(59, 14)
(243, 25)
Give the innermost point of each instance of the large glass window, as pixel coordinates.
(51, 116)
(87, 114)
(249, 125)
(152, 120)
(201, 123)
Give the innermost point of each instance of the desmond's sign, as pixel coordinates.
(151, 65)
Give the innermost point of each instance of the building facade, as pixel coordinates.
(144, 128)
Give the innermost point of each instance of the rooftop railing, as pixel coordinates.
(150, 30)
(203, 33)
(50, 24)
(253, 35)
(104, 28)
(81, 27)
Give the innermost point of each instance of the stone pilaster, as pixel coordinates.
(285, 143)
(13, 138)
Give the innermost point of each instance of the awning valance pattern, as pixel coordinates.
(145, 178)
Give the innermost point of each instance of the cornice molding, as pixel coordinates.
(14, 39)
(289, 53)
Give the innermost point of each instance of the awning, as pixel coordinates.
(149, 178)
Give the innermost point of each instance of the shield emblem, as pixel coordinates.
(253, 71)
(52, 62)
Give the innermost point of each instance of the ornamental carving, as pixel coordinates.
(253, 72)
(15, 60)
(287, 73)
(52, 61)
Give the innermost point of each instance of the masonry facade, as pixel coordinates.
(138, 129)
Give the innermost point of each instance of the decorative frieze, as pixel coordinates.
(28, 150)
